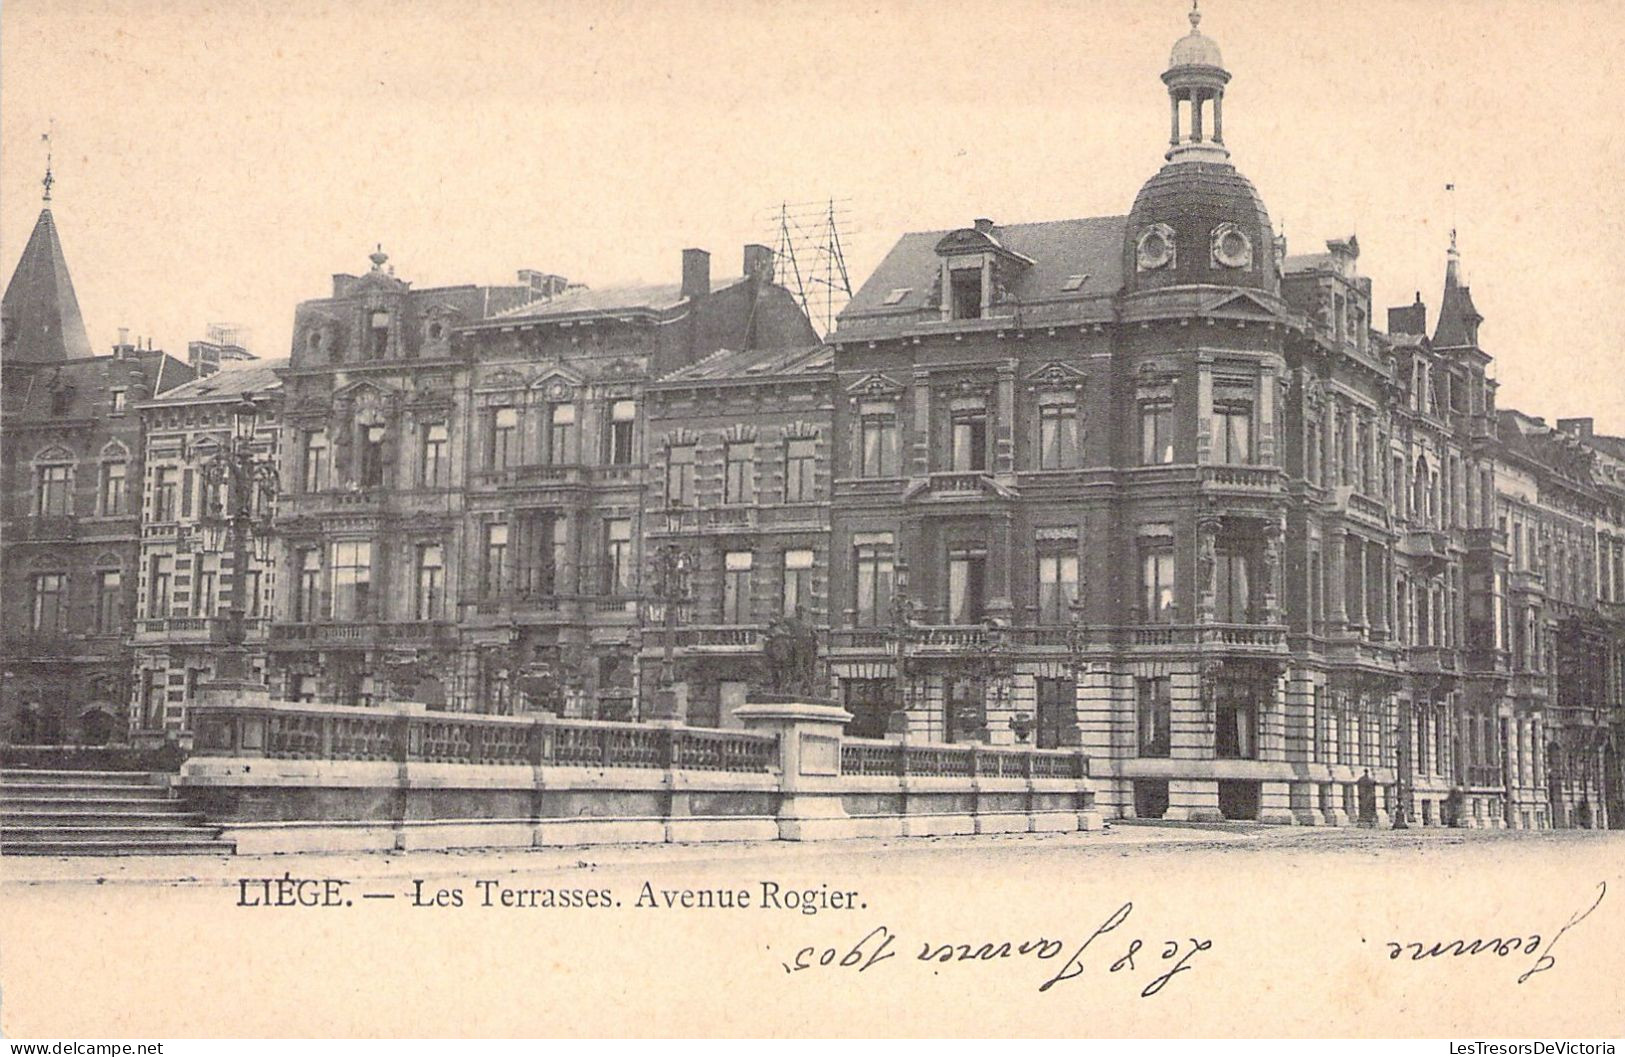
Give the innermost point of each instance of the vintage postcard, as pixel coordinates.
(742, 519)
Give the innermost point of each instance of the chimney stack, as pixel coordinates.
(696, 274)
(1411, 319)
(984, 225)
(123, 336)
(1577, 427)
(758, 262)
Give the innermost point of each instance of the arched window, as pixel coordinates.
(53, 482)
(112, 490)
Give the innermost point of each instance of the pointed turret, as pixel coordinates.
(1458, 319)
(42, 323)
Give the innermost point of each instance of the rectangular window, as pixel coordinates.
(188, 486)
(1232, 584)
(351, 572)
(1057, 436)
(431, 589)
(871, 702)
(436, 449)
(1233, 429)
(798, 566)
(680, 475)
(622, 415)
(55, 492)
(800, 459)
(119, 401)
(109, 601)
(965, 289)
(1157, 583)
(1057, 712)
(494, 569)
(736, 567)
(316, 460)
(302, 688)
(967, 583)
(379, 335)
(50, 611)
(205, 596)
(879, 438)
(1155, 715)
(251, 593)
(165, 494)
(738, 484)
(307, 599)
(114, 496)
(873, 562)
(561, 429)
(1235, 735)
(159, 574)
(1057, 583)
(372, 457)
(618, 556)
(548, 552)
(969, 441)
(504, 451)
(1156, 433)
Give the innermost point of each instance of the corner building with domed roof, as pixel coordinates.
(1147, 484)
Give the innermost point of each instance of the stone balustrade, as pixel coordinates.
(281, 776)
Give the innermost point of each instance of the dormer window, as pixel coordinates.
(897, 295)
(965, 292)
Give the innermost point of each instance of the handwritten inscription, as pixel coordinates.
(1501, 947)
(1166, 958)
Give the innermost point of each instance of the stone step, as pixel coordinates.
(120, 847)
(98, 819)
(11, 836)
(92, 790)
(20, 776)
(46, 802)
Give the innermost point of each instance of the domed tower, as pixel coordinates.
(1198, 221)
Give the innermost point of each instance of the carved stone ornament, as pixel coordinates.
(1231, 248)
(1155, 248)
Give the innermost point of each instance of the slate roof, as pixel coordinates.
(727, 365)
(230, 382)
(1059, 249)
(607, 300)
(1457, 315)
(42, 319)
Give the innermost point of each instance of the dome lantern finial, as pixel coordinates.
(1196, 78)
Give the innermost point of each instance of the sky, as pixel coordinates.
(219, 161)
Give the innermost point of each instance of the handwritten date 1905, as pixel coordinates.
(877, 947)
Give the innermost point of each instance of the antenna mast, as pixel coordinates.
(809, 257)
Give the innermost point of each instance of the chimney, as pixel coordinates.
(758, 262)
(123, 336)
(696, 274)
(1577, 427)
(1412, 319)
(984, 225)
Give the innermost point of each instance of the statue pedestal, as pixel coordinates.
(809, 765)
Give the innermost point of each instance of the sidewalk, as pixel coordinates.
(218, 870)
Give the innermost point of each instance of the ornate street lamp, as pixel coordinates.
(241, 487)
(671, 566)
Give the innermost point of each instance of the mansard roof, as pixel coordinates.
(232, 381)
(743, 365)
(1060, 251)
(41, 311)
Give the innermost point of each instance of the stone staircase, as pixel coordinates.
(99, 813)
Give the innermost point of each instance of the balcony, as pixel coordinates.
(861, 640)
(535, 475)
(376, 633)
(1433, 660)
(23, 646)
(1486, 540)
(950, 486)
(1248, 480)
(1427, 546)
(721, 519)
(1526, 582)
(706, 638)
(154, 631)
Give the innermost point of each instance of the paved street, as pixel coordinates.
(1296, 924)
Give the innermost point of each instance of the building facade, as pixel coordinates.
(185, 575)
(71, 479)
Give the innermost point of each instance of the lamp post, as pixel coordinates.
(246, 484)
(671, 566)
